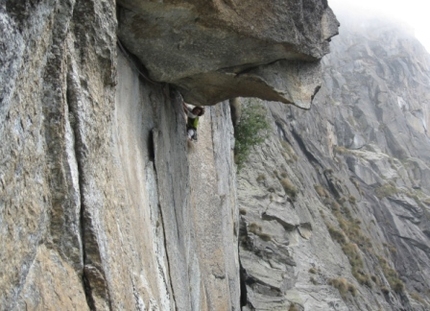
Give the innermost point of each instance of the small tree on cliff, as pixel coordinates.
(250, 130)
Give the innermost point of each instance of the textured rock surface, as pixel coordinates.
(100, 207)
(105, 206)
(215, 50)
(350, 230)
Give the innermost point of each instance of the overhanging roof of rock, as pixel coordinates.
(213, 50)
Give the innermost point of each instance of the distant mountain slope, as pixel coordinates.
(335, 205)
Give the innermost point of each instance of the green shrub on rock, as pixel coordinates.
(251, 129)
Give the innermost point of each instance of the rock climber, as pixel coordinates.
(193, 115)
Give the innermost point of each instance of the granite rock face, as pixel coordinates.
(335, 204)
(103, 204)
(215, 50)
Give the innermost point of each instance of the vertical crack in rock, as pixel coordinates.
(91, 51)
(72, 102)
(61, 166)
(243, 292)
(152, 151)
(172, 180)
(150, 146)
(167, 255)
(93, 277)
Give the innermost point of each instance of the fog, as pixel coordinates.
(414, 13)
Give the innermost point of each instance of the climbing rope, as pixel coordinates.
(127, 55)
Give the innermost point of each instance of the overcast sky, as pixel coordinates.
(416, 13)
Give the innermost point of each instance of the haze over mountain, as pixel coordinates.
(411, 14)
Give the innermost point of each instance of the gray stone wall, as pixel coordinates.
(101, 207)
